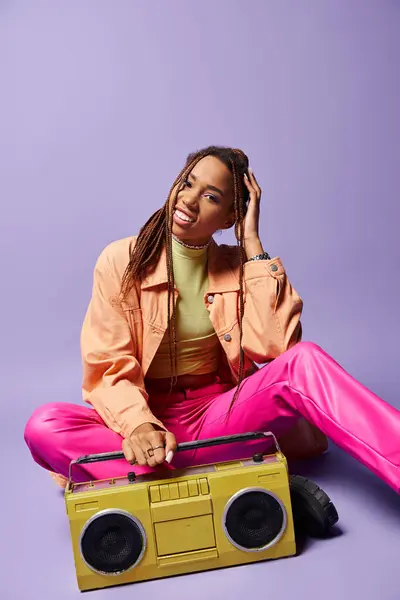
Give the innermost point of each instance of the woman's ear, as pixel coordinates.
(229, 222)
(230, 219)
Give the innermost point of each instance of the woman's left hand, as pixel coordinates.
(252, 218)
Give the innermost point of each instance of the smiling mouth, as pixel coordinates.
(181, 215)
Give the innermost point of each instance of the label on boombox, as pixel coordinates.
(126, 530)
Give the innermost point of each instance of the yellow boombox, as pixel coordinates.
(136, 528)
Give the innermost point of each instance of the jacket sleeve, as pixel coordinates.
(112, 376)
(272, 311)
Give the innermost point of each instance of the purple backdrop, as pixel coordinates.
(101, 102)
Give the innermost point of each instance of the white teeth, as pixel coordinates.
(184, 217)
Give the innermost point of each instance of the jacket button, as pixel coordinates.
(274, 267)
(227, 337)
(210, 299)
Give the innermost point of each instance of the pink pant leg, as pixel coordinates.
(306, 381)
(58, 433)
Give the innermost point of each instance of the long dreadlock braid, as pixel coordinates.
(239, 231)
(170, 270)
(158, 230)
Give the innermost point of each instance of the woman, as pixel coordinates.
(172, 335)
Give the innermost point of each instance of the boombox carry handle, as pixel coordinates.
(194, 445)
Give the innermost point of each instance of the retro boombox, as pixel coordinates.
(136, 528)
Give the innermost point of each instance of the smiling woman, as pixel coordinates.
(204, 202)
(173, 334)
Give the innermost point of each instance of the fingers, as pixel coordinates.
(157, 445)
(252, 185)
(150, 448)
(141, 458)
(128, 452)
(255, 182)
(133, 452)
(170, 446)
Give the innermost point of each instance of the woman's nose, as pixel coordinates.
(190, 200)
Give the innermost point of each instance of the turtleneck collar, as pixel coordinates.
(184, 252)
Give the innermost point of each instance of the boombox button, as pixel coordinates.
(155, 493)
(164, 492)
(258, 458)
(183, 489)
(204, 486)
(193, 489)
(173, 491)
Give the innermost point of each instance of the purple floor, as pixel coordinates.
(360, 563)
(100, 104)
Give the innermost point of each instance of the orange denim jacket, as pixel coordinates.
(120, 337)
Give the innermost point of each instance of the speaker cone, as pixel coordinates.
(254, 519)
(112, 542)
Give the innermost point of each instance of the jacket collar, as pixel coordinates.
(222, 274)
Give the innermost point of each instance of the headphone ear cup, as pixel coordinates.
(313, 511)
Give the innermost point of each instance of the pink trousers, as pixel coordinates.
(304, 381)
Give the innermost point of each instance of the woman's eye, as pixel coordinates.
(187, 183)
(212, 198)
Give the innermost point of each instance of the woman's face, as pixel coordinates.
(205, 204)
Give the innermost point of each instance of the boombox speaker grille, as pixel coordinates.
(254, 519)
(112, 542)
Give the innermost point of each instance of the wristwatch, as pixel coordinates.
(262, 256)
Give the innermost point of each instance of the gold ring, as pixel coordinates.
(156, 447)
(150, 452)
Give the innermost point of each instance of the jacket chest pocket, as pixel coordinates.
(134, 319)
(224, 311)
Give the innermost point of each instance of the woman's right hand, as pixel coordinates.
(149, 446)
